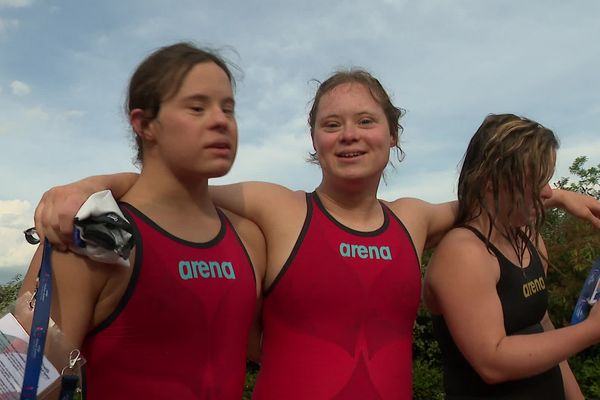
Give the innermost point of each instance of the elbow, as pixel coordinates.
(492, 374)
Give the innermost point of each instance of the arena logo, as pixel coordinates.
(532, 287)
(365, 252)
(206, 270)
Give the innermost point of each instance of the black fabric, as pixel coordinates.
(524, 299)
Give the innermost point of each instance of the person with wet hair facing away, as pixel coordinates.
(486, 282)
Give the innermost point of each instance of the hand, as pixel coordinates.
(579, 205)
(594, 316)
(56, 210)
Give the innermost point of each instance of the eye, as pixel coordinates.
(229, 110)
(329, 125)
(196, 108)
(366, 121)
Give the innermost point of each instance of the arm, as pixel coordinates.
(462, 270)
(572, 390)
(58, 206)
(577, 204)
(427, 223)
(431, 221)
(76, 285)
(257, 201)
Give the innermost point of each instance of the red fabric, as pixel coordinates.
(175, 338)
(340, 327)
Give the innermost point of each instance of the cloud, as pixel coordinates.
(15, 216)
(15, 3)
(20, 88)
(6, 24)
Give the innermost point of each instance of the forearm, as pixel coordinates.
(230, 197)
(559, 199)
(521, 356)
(118, 183)
(577, 204)
(572, 389)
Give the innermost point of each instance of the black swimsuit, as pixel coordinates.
(524, 298)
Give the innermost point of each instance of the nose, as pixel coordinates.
(349, 133)
(220, 119)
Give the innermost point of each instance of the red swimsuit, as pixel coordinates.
(181, 329)
(338, 319)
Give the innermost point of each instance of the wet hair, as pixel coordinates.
(160, 76)
(362, 77)
(508, 154)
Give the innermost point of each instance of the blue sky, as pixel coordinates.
(64, 66)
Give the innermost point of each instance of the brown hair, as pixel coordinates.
(507, 153)
(392, 113)
(160, 76)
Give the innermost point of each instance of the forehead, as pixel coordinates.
(349, 97)
(207, 79)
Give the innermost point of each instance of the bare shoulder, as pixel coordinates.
(426, 222)
(404, 204)
(460, 264)
(410, 211)
(460, 256)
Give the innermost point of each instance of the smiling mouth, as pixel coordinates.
(351, 155)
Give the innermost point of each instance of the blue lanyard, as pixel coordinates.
(39, 327)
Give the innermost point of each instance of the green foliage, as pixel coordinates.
(251, 373)
(427, 368)
(573, 245)
(427, 381)
(8, 292)
(588, 179)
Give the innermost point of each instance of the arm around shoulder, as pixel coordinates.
(259, 202)
(58, 206)
(577, 204)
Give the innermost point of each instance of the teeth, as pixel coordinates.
(348, 155)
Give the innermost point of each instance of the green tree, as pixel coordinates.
(8, 292)
(573, 245)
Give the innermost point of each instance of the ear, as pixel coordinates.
(141, 124)
(393, 141)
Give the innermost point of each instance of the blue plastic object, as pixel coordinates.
(590, 294)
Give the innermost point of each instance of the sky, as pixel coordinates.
(64, 67)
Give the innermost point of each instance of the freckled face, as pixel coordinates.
(351, 136)
(195, 130)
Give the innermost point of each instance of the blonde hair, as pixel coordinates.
(511, 154)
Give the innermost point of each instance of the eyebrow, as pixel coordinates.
(202, 97)
(356, 114)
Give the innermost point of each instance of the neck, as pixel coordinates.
(357, 209)
(160, 188)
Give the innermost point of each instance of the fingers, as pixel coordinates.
(54, 216)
